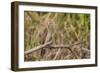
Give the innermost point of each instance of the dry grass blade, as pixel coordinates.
(57, 54)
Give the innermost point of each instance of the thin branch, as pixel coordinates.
(62, 46)
(48, 45)
(37, 48)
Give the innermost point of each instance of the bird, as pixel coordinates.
(48, 35)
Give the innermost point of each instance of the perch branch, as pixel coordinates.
(48, 45)
(37, 48)
(62, 46)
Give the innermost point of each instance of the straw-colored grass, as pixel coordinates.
(61, 29)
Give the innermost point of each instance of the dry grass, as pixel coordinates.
(61, 29)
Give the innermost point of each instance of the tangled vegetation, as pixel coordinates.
(64, 29)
